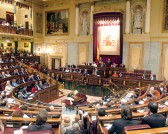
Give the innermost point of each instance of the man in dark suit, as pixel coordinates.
(85, 73)
(153, 119)
(108, 64)
(41, 123)
(126, 120)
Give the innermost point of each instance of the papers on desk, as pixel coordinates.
(141, 102)
(85, 114)
(108, 126)
(10, 100)
(9, 125)
(141, 110)
(31, 95)
(93, 118)
(24, 127)
(80, 112)
(20, 131)
(166, 103)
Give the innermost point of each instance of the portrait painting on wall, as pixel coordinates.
(57, 22)
(39, 24)
(9, 44)
(165, 16)
(26, 44)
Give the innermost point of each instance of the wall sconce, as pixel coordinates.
(43, 52)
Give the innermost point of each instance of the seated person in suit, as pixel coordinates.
(53, 76)
(37, 77)
(41, 123)
(94, 64)
(37, 86)
(108, 64)
(26, 71)
(85, 72)
(41, 85)
(100, 62)
(114, 65)
(67, 70)
(25, 91)
(21, 71)
(2, 75)
(7, 74)
(153, 119)
(152, 77)
(22, 97)
(126, 120)
(14, 84)
(22, 80)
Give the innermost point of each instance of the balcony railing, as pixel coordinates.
(14, 30)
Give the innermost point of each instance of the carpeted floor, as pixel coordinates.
(71, 113)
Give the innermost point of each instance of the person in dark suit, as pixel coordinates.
(108, 64)
(85, 73)
(41, 123)
(126, 120)
(153, 119)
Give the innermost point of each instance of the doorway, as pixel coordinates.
(56, 63)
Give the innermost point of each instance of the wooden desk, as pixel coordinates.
(134, 115)
(19, 119)
(162, 130)
(45, 95)
(121, 82)
(10, 130)
(132, 82)
(31, 113)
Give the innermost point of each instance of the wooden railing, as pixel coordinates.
(14, 30)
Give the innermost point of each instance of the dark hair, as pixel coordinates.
(90, 105)
(101, 112)
(153, 107)
(17, 113)
(24, 107)
(126, 113)
(41, 117)
(48, 109)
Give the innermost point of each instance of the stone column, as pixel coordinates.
(127, 22)
(91, 18)
(77, 20)
(15, 8)
(147, 18)
(16, 47)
